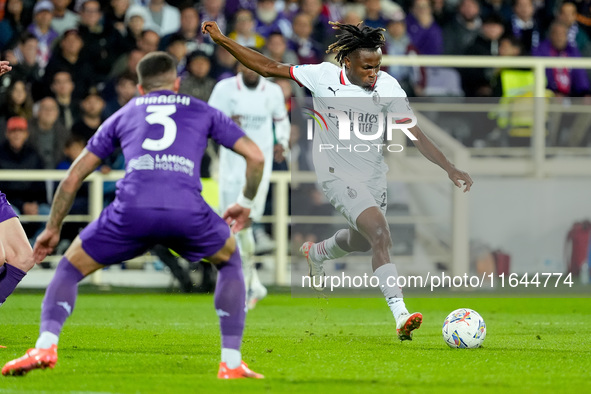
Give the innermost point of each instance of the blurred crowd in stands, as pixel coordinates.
(74, 62)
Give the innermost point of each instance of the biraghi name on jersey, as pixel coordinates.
(163, 99)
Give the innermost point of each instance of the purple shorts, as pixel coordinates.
(6, 211)
(120, 234)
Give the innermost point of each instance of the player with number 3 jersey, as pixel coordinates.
(163, 136)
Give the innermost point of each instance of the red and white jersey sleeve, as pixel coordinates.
(309, 75)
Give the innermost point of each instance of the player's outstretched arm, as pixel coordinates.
(4, 67)
(432, 152)
(66, 191)
(237, 215)
(251, 59)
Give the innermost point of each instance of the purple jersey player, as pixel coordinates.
(16, 255)
(163, 136)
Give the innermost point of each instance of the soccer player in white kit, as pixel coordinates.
(256, 105)
(356, 187)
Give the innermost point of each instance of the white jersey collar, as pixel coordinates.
(240, 82)
(343, 77)
(345, 81)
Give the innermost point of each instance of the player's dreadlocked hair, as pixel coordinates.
(353, 38)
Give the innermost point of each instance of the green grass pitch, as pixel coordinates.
(169, 343)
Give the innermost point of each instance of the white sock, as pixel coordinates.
(231, 357)
(255, 281)
(46, 340)
(327, 250)
(397, 307)
(387, 275)
(245, 240)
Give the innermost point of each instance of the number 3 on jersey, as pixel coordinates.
(160, 114)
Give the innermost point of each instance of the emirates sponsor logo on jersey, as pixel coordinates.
(370, 131)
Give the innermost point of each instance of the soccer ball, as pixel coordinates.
(464, 329)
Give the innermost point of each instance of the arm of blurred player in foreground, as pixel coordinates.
(66, 191)
(237, 215)
(432, 152)
(251, 59)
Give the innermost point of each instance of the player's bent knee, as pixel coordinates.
(22, 259)
(80, 259)
(225, 252)
(380, 237)
(27, 262)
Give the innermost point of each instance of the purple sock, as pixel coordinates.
(10, 277)
(60, 297)
(230, 301)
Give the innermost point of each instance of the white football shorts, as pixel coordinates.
(351, 198)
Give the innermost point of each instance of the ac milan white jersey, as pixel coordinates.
(257, 110)
(360, 156)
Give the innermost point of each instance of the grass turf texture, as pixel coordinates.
(149, 343)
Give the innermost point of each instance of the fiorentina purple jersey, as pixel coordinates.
(163, 136)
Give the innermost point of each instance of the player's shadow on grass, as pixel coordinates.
(486, 348)
(139, 351)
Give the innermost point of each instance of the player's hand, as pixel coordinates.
(45, 243)
(458, 176)
(278, 153)
(4, 67)
(237, 217)
(212, 28)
